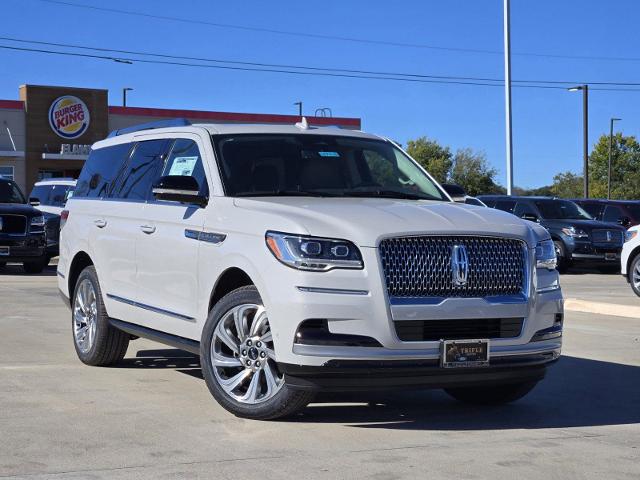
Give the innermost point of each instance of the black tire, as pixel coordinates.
(561, 253)
(491, 395)
(635, 264)
(36, 266)
(110, 344)
(284, 403)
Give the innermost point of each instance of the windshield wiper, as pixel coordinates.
(285, 193)
(389, 194)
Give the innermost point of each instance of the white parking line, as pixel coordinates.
(601, 308)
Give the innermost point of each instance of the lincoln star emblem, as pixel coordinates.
(0, 224)
(608, 236)
(459, 265)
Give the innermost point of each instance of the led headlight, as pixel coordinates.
(546, 255)
(574, 232)
(630, 235)
(37, 222)
(313, 253)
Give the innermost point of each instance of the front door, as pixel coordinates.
(168, 248)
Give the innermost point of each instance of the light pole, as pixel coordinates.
(124, 95)
(299, 108)
(610, 148)
(507, 95)
(585, 133)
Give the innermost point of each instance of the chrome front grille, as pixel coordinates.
(421, 266)
(609, 237)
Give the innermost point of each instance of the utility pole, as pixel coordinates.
(124, 95)
(585, 134)
(610, 149)
(299, 108)
(507, 95)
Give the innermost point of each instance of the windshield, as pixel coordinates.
(319, 165)
(10, 193)
(561, 210)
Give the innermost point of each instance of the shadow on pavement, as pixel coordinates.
(16, 269)
(577, 392)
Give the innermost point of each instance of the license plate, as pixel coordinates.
(4, 251)
(610, 256)
(465, 353)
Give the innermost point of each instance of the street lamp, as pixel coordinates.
(610, 148)
(124, 95)
(585, 133)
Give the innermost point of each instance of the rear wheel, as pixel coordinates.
(96, 341)
(634, 275)
(36, 266)
(491, 395)
(561, 254)
(238, 360)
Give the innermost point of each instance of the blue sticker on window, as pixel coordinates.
(329, 154)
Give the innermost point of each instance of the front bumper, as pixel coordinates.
(23, 248)
(580, 250)
(359, 375)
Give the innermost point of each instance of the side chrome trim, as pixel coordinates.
(339, 291)
(150, 308)
(208, 237)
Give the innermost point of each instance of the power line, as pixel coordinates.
(130, 60)
(310, 68)
(330, 37)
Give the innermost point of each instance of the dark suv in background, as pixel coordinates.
(621, 212)
(576, 235)
(23, 238)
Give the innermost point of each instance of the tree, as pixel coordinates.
(567, 185)
(472, 172)
(625, 170)
(436, 159)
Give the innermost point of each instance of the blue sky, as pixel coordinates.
(547, 123)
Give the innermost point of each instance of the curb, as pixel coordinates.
(601, 308)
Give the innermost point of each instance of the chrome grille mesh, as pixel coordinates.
(612, 237)
(421, 266)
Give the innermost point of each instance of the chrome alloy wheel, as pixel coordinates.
(242, 355)
(636, 276)
(85, 316)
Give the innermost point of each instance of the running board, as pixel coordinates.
(172, 340)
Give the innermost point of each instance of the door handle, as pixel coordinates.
(148, 229)
(100, 223)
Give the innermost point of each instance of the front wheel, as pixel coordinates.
(238, 360)
(561, 254)
(634, 275)
(491, 395)
(36, 266)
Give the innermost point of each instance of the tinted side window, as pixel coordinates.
(58, 194)
(505, 205)
(593, 209)
(142, 169)
(185, 159)
(41, 192)
(612, 214)
(523, 208)
(100, 170)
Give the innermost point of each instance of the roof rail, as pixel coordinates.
(174, 122)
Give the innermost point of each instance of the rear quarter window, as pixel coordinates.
(100, 170)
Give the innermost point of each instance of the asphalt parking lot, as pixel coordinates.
(153, 418)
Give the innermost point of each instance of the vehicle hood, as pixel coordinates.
(365, 221)
(586, 225)
(18, 209)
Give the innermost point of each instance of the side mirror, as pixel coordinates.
(34, 201)
(179, 188)
(624, 221)
(530, 216)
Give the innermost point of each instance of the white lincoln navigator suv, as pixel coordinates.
(294, 259)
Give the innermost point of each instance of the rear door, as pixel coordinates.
(168, 247)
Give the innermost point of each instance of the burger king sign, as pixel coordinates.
(69, 116)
